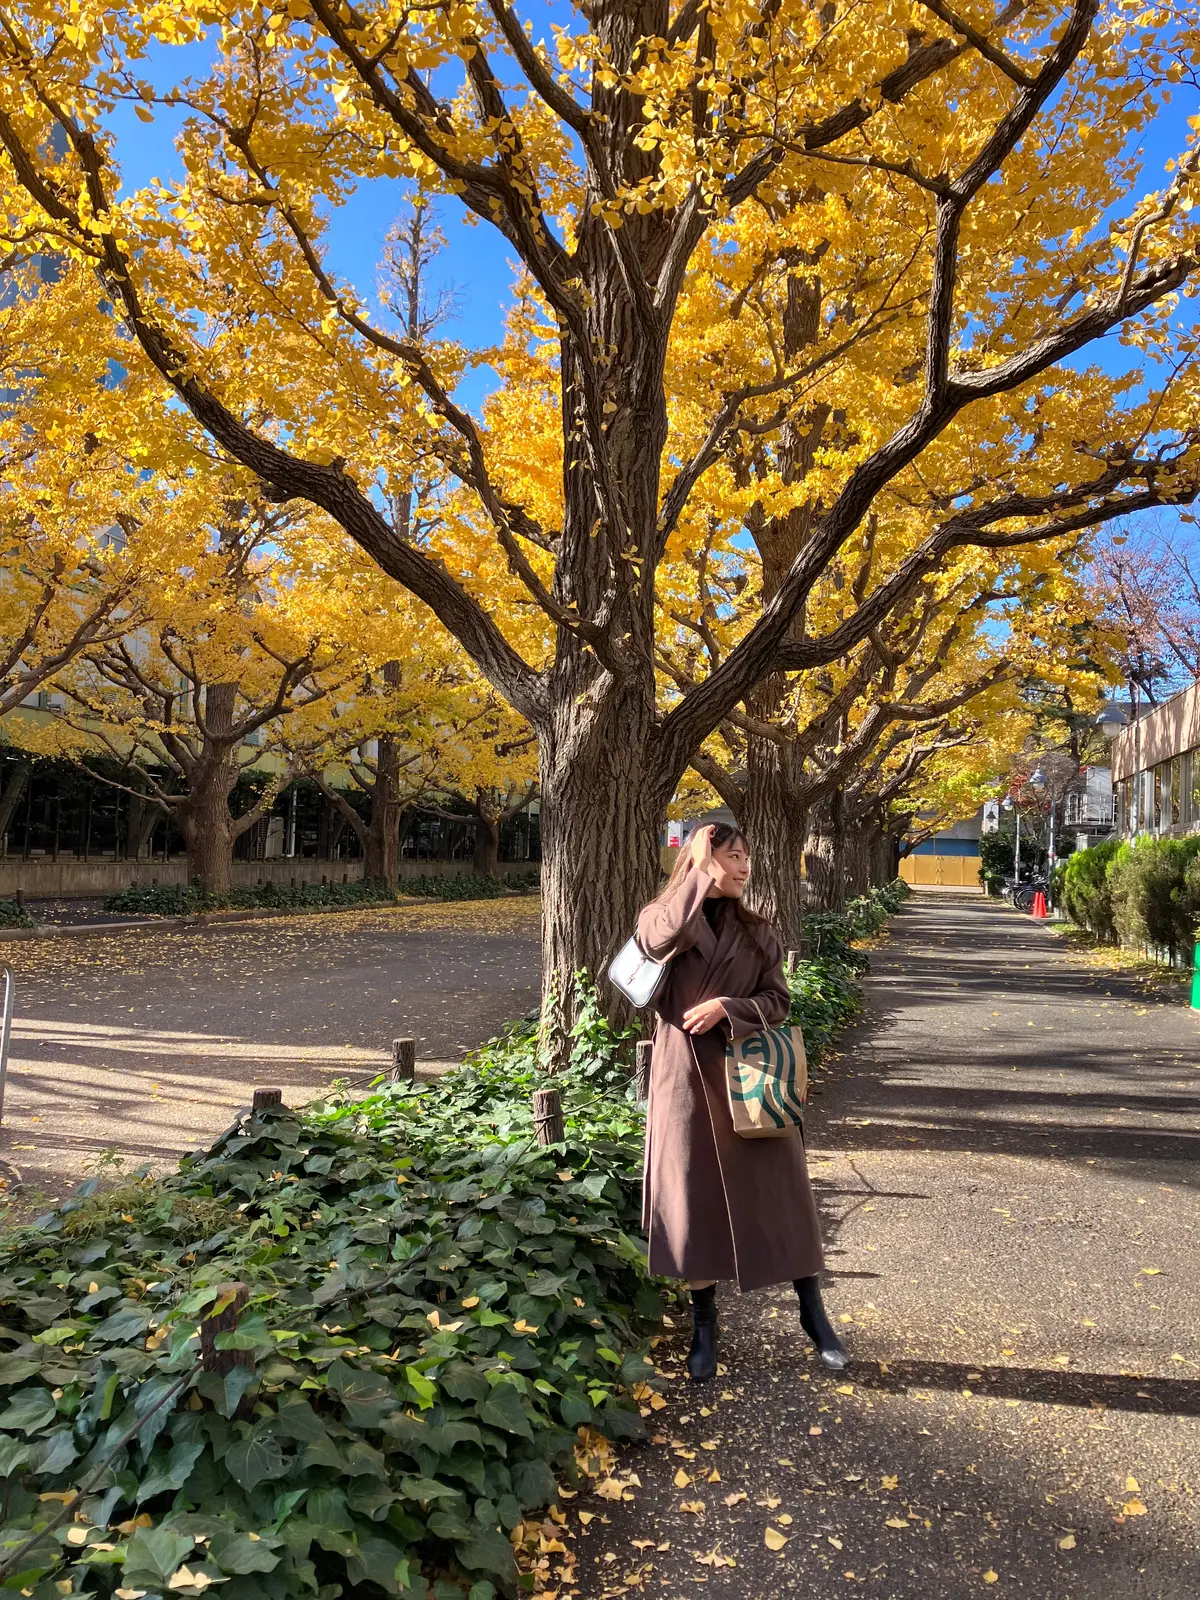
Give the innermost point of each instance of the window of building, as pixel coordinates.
(1156, 799)
(1125, 822)
(1176, 791)
(1193, 786)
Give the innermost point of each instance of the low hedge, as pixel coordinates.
(179, 900)
(1083, 890)
(472, 886)
(1155, 895)
(1142, 892)
(14, 916)
(437, 1306)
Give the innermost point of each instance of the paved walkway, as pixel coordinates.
(147, 1043)
(1007, 1154)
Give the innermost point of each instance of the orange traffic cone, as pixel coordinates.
(1039, 905)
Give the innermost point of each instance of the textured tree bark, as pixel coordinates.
(858, 851)
(207, 827)
(14, 792)
(775, 822)
(885, 859)
(487, 841)
(603, 804)
(204, 818)
(824, 860)
(381, 844)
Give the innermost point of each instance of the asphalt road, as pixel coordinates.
(147, 1043)
(1007, 1157)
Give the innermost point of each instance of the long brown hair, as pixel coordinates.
(723, 833)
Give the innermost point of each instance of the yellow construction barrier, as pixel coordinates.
(941, 872)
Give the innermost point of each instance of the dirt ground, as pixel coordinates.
(147, 1043)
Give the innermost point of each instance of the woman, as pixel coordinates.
(717, 1205)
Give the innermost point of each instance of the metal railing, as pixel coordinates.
(1090, 811)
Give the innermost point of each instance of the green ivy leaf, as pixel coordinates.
(169, 1469)
(28, 1411)
(424, 1389)
(256, 1460)
(237, 1553)
(155, 1553)
(505, 1408)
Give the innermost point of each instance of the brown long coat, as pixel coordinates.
(717, 1205)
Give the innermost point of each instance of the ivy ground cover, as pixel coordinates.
(437, 1307)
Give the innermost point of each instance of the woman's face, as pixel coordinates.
(730, 869)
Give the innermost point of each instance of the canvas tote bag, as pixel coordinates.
(766, 1075)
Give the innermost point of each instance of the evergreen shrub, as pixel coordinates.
(14, 916)
(1154, 893)
(1083, 890)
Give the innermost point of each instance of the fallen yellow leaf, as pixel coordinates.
(609, 1489)
(774, 1540)
(1134, 1508)
(845, 1388)
(991, 1577)
(695, 1507)
(890, 1480)
(1068, 1543)
(896, 1522)
(735, 1499)
(835, 1542)
(587, 1516)
(1132, 1486)
(681, 1479)
(784, 1519)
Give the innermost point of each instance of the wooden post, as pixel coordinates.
(404, 1061)
(645, 1051)
(793, 960)
(267, 1100)
(224, 1321)
(548, 1116)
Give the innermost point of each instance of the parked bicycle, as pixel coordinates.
(1021, 894)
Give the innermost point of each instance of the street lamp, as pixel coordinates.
(1039, 783)
(1008, 804)
(1112, 721)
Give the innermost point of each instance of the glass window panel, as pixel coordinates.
(1195, 786)
(1176, 792)
(1156, 799)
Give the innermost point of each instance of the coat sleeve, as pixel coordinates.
(771, 994)
(668, 925)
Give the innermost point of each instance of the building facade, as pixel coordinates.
(1156, 769)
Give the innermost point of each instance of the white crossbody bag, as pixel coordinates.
(637, 977)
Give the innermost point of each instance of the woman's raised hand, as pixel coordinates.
(699, 1019)
(702, 847)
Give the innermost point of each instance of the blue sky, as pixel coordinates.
(478, 263)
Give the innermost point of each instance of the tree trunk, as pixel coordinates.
(382, 843)
(205, 820)
(14, 790)
(775, 821)
(603, 804)
(207, 828)
(144, 816)
(824, 856)
(487, 843)
(858, 849)
(884, 863)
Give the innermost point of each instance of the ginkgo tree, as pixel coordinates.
(643, 142)
(242, 660)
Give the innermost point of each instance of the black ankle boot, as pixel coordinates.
(816, 1324)
(702, 1357)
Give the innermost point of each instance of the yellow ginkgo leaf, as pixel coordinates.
(774, 1540)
